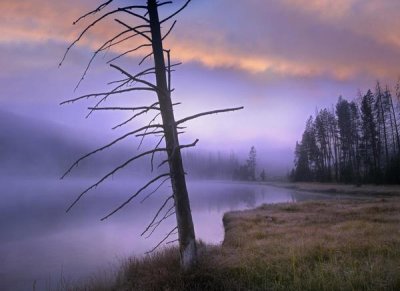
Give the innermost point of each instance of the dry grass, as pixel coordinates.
(365, 190)
(334, 245)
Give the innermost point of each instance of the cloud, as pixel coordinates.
(340, 39)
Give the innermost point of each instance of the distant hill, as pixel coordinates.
(34, 147)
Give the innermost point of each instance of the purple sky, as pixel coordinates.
(280, 59)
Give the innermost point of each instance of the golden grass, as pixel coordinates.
(330, 245)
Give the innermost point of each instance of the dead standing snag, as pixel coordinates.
(150, 31)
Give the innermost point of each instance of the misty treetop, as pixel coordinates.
(355, 142)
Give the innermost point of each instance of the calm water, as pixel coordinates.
(40, 242)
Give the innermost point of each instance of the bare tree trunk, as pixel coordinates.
(186, 233)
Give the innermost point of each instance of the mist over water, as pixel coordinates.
(39, 241)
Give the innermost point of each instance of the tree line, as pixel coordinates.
(353, 142)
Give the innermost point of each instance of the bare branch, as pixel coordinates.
(171, 241)
(175, 13)
(150, 133)
(124, 108)
(145, 57)
(157, 214)
(151, 121)
(109, 145)
(163, 240)
(112, 173)
(105, 97)
(155, 190)
(180, 147)
(164, 3)
(155, 225)
(136, 15)
(136, 115)
(152, 155)
(128, 37)
(169, 31)
(134, 78)
(207, 113)
(98, 9)
(134, 29)
(129, 51)
(107, 94)
(135, 195)
(84, 31)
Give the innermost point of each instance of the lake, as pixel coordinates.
(41, 243)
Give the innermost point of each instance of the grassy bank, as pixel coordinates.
(346, 245)
(372, 190)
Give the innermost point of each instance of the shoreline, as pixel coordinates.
(335, 188)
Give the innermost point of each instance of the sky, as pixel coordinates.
(280, 59)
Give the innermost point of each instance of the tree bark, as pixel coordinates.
(187, 241)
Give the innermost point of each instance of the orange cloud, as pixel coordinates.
(44, 20)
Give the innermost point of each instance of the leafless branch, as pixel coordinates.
(105, 46)
(157, 214)
(134, 78)
(163, 240)
(155, 190)
(164, 3)
(112, 173)
(145, 57)
(175, 13)
(171, 241)
(86, 30)
(98, 9)
(156, 147)
(135, 195)
(124, 108)
(155, 225)
(180, 147)
(135, 14)
(169, 31)
(152, 106)
(150, 133)
(107, 146)
(151, 121)
(129, 51)
(107, 94)
(207, 113)
(134, 29)
(128, 37)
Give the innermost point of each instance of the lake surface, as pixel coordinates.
(41, 243)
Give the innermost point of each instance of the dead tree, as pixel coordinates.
(160, 71)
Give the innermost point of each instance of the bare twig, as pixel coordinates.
(108, 145)
(136, 115)
(134, 78)
(112, 173)
(151, 121)
(124, 108)
(175, 13)
(155, 190)
(107, 94)
(134, 29)
(157, 214)
(163, 240)
(169, 31)
(129, 51)
(98, 9)
(207, 113)
(135, 195)
(145, 57)
(180, 147)
(152, 156)
(155, 225)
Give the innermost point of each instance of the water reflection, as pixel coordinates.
(39, 241)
